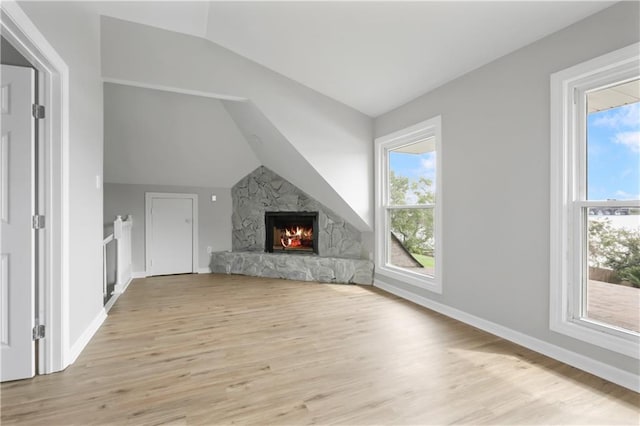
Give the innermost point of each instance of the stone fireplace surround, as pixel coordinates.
(340, 252)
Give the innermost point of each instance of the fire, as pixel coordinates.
(294, 237)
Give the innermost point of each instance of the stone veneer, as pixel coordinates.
(263, 190)
(340, 252)
(293, 267)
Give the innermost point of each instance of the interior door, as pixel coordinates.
(17, 186)
(171, 236)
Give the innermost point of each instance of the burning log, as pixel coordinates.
(293, 238)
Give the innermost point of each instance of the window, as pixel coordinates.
(595, 201)
(408, 201)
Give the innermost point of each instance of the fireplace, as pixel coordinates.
(291, 232)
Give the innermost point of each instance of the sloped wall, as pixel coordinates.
(276, 153)
(263, 190)
(334, 138)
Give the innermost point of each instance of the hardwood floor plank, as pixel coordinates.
(219, 349)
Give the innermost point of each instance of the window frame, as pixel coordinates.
(384, 144)
(568, 199)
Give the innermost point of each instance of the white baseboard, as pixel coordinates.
(117, 292)
(138, 274)
(111, 302)
(143, 274)
(80, 344)
(590, 365)
(126, 285)
(121, 289)
(86, 336)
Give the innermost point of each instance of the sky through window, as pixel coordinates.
(613, 153)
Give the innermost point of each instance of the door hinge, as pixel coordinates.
(37, 111)
(37, 221)
(38, 332)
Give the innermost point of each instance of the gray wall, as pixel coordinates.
(318, 127)
(164, 138)
(495, 126)
(74, 32)
(214, 218)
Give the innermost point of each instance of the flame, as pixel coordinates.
(293, 237)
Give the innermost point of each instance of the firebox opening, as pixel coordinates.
(292, 232)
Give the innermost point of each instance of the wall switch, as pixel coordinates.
(209, 249)
(213, 198)
(98, 181)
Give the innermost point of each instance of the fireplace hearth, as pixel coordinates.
(291, 232)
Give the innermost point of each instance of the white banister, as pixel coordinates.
(122, 235)
(105, 242)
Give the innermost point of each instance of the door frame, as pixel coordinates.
(53, 133)
(148, 197)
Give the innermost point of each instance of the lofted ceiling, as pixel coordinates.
(372, 56)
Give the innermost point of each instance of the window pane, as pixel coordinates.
(410, 242)
(412, 173)
(613, 284)
(613, 143)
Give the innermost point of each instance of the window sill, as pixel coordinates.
(432, 284)
(598, 335)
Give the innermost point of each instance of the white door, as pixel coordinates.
(172, 233)
(16, 207)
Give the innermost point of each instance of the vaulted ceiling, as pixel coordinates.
(372, 56)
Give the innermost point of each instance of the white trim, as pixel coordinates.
(172, 89)
(567, 197)
(54, 95)
(86, 336)
(206, 270)
(122, 230)
(427, 128)
(590, 365)
(116, 294)
(608, 203)
(139, 274)
(148, 197)
(112, 301)
(117, 289)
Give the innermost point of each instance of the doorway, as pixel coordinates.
(171, 233)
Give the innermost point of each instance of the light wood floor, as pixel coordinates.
(217, 349)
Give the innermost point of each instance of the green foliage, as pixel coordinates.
(399, 186)
(631, 274)
(615, 248)
(413, 227)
